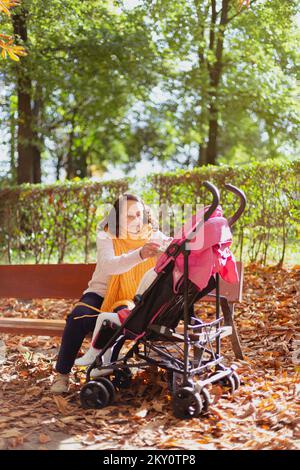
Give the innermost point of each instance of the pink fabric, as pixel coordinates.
(211, 253)
(123, 314)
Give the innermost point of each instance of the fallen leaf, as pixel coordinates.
(14, 432)
(44, 438)
(141, 413)
(3, 444)
(62, 404)
(248, 411)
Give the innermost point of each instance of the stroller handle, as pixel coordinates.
(175, 250)
(243, 200)
(216, 199)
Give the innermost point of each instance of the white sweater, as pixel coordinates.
(109, 264)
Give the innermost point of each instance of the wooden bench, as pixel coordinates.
(68, 281)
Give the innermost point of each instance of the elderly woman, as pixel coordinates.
(125, 252)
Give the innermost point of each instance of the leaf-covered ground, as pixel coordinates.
(263, 414)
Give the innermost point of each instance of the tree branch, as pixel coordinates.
(239, 12)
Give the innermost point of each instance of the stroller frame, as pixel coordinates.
(160, 345)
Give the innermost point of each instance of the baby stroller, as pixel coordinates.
(192, 358)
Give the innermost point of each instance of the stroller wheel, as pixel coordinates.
(109, 387)
(230, 383)
(206, 400)
(122, 378)
(170, 380)
(186, 403)
(94, 395)
(174, 381)
(237, 380)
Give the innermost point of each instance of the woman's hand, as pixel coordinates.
(150, 249)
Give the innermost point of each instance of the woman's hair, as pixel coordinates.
(112, 220)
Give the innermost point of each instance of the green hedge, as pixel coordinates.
(56, 223)
(271, 221)
(46, 222)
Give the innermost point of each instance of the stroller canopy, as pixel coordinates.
(209, 250)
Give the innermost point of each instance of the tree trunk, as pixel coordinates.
(29, 158)
(80, 163)
(38, 140)
(25, 135)
(69, 160)
(59, 163)
(13, 167)
(201, 102)
(76, 159)
(77, 164)
(201, 155)
(216, 45)
(25, 154)
(212, 149)
(37, 176)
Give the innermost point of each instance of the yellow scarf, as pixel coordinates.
(121, 288)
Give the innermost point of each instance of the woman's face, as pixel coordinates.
(132, 216)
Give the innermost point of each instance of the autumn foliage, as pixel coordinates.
(7, 45)
(262, 414)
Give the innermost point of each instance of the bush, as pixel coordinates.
(47, 221)
(271, 220)
(52, 222)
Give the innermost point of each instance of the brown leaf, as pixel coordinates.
(158, 406)
(3, 444)
(248, 411)
(217, 391)
(62, 404)
(89, 438)
(44, 438)
(14, 432)
(271, 297)
(16, 441)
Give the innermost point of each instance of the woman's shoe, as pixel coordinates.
(88, 357)
(60, 384)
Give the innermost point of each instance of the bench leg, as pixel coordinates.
(228, 311)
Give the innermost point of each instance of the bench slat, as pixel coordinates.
(41, 327)
(68, 281)
(32, 326)
(45, 281)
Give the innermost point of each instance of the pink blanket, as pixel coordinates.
(209, 254)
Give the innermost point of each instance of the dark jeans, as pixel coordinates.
(80, 322)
